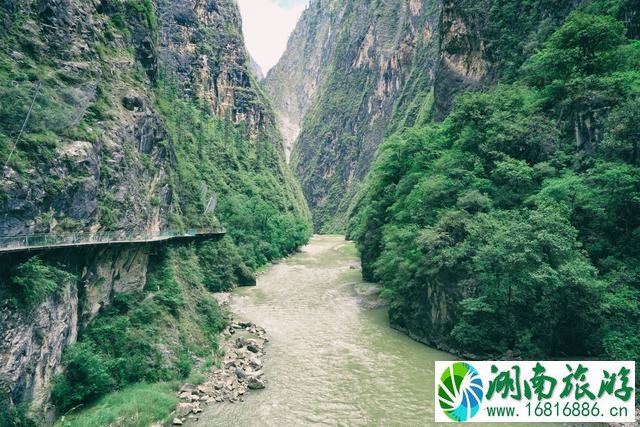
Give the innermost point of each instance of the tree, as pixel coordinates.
(585, 44)
(622, 139)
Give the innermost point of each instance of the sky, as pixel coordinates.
(267, 25)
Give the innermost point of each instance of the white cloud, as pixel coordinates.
(267, 25)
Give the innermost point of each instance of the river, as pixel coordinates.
(330, 360)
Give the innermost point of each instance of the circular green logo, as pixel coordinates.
(460, 391)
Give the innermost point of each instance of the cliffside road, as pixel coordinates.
(41, 242)
(330, 360)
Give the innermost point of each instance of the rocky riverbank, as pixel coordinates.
(240, 370)
(368, 294)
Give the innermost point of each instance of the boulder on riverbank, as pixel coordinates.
(240, 370)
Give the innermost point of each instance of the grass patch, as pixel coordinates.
(349, 249)
(138, 405)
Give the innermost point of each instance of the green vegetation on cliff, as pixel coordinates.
(258, 200)
(174, 314)
(32, 281)
(512, 226)
(131, 130)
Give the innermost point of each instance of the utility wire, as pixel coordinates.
(24, 124)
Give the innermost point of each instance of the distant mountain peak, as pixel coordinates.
(256, 68)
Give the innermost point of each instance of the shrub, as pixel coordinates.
(167, 291)
(217, 260)
(34, 281)
(85, 377)
(210, 310)
(14, 415)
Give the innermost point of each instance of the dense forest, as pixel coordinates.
(511, 226)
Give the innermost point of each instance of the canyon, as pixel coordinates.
(482, 155)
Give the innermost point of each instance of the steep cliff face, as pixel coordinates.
(304, 66)
(32, 345)
(129, 116)
(347, 91)
(480, 45)
(202, 46)
(80, 159)
(35, 337)
(257, 70)
(89, 159)
(356, 72)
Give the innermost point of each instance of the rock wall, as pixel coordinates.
(356, 72)
(97, 155)
(202, 45)
(462, 62)
(292, 83)
(86, 180)
(33, 339)
(344, 69)
(485, 41)
(32, 344)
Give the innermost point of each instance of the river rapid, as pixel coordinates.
(330, 360)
